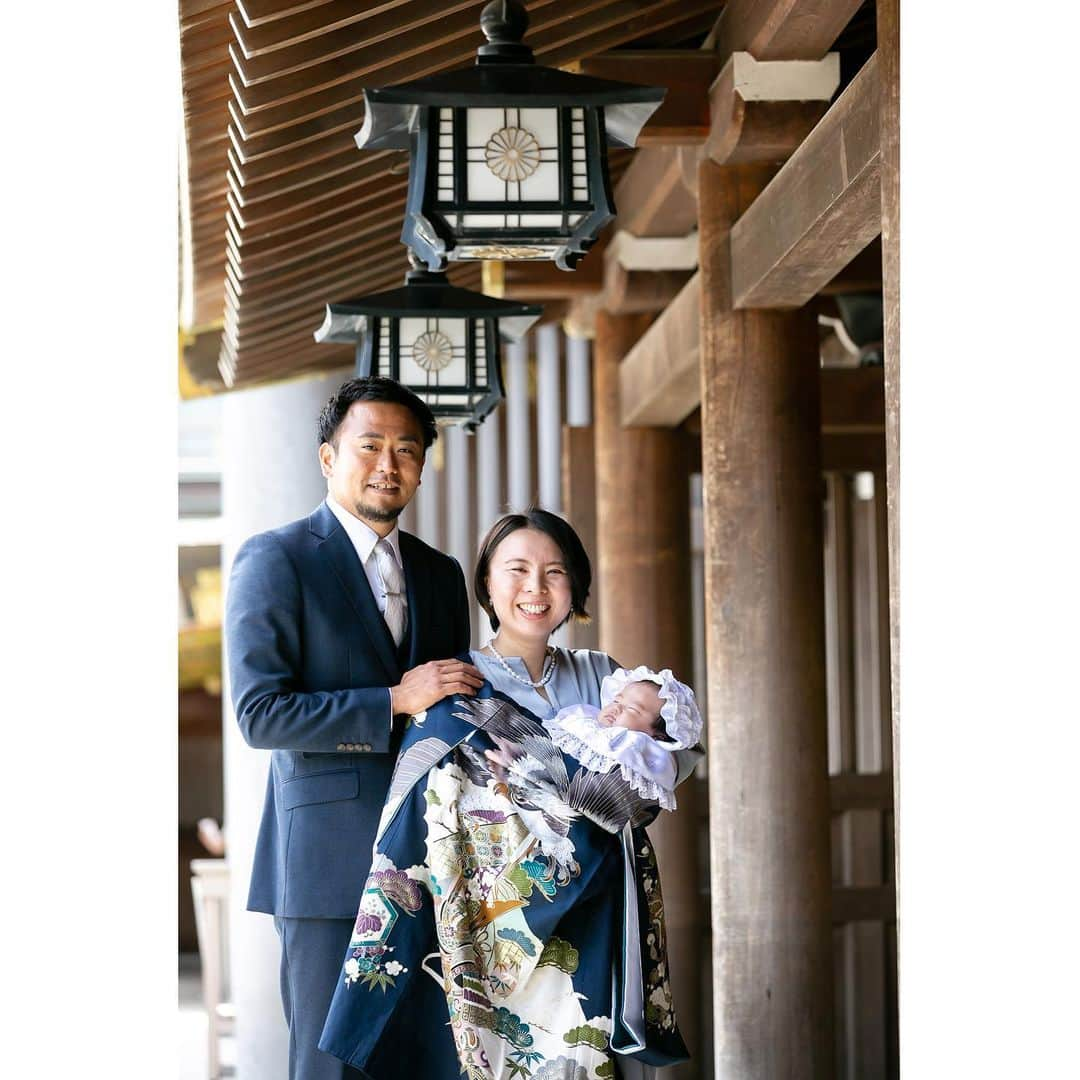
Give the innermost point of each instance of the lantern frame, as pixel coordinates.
(430, 118)
(373, 323)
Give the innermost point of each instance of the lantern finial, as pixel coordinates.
(504, 23)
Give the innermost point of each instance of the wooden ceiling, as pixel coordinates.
(284, 212)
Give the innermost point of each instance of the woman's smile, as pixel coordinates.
(532, 610)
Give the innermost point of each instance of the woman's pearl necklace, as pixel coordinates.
(545, 675)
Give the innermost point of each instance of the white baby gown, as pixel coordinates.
(648, 765)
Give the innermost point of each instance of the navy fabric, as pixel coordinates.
(310, 958)
(310, 664)
(382, 1024)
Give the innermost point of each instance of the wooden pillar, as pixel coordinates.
(768, 784)
(642, 578)
(888, 48)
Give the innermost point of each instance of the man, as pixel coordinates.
(337, 627)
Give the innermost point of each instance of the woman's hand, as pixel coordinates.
(422, 686)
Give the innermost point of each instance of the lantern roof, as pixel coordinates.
(505, 74)
(425, 294)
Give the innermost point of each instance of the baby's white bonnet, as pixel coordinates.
(682, 718)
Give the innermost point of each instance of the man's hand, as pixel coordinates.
(422, 686)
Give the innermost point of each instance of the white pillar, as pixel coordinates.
(489, 489)
(407, 520)
(459, 506)
(270, 475)
(518, 440)
(489, 496)
(697, 603)
(578, 382)
(428, 497)
(549, 417)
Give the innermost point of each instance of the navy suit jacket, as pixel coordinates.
(310, 665)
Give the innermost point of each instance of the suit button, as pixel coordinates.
(365, 746)
(342, 746)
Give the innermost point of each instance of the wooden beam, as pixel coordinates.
(862, 274)
(653, 253)
(651, 198)
(683, 118)
(864, 904)
(853, 401)
(659, 378)
(845, 451)
(580, 320)
(782, 29)
(630, 292)
(657, 387)
(819, 211)
(861, 791)
(762, 111)
(644, 274)
(544, 280)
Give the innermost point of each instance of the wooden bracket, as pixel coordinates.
(762, 110)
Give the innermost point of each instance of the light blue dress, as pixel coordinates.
(577, 678)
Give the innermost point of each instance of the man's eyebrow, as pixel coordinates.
(381, 435)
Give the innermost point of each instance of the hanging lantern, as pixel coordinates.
(440, 341)
(507, 159)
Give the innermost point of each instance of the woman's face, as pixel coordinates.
(528, 584)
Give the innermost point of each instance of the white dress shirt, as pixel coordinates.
(364, 538)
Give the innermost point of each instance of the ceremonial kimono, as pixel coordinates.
(510, 927)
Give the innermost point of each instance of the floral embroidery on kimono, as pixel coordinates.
(506, 897)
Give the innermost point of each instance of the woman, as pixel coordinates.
(532, 576)
(544, 936)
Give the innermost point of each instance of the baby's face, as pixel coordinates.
(637, 708)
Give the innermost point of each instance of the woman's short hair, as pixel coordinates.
(573, 551)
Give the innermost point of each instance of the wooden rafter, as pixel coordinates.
(284, 213)
(782, 29)
(683, 118)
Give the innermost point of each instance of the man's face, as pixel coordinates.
(375, 469)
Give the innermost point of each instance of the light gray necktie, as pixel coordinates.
(394, 586)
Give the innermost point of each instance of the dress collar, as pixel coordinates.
(363, 536)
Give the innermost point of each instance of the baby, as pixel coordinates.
(648, 726)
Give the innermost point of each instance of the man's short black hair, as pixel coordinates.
(573, 551)
(373, 388)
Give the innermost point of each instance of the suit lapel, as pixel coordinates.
(339, 552)
(417, 586)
